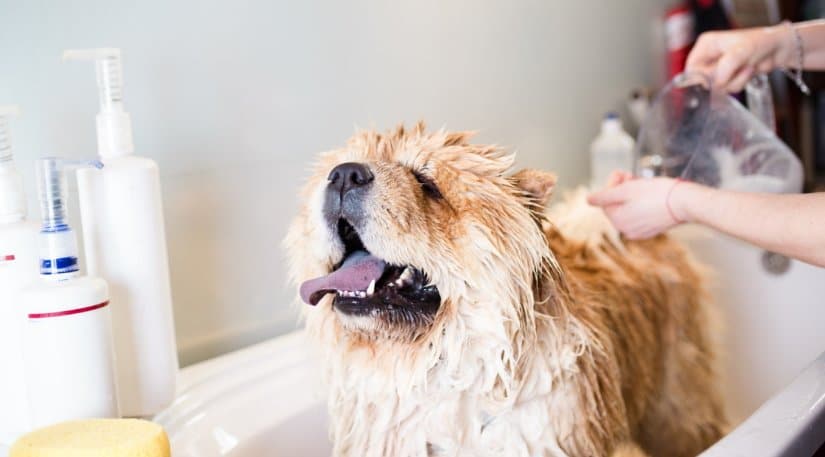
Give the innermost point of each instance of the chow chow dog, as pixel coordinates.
(457, 317)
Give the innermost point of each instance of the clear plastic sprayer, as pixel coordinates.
(51, 186)
(114, 126)
(702, 134)
(7, 112)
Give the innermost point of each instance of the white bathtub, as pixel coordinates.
(266, 401)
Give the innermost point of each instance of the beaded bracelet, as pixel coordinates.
(796, 75)
(667, 201)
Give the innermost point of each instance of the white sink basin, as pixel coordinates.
(262, 400)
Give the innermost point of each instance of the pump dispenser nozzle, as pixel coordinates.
(58, 245)
(51, 184)
(114, 126)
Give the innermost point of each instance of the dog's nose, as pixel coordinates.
(349, 176)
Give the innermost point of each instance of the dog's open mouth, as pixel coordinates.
(364, 284)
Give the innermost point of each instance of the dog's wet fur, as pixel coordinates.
(517, 332)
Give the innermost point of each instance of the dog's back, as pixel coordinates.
(652, 373)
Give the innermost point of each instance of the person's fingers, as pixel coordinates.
(704, 69)
(609, 196)
(739, 81)
(613, 212)
(704, 52)
(728, 67)
(764, 66)
(627, 176)
(614, 178)
(632, 236)
(641, 232)
(618, 177)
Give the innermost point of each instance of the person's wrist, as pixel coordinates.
(786, 54)
(679, 200)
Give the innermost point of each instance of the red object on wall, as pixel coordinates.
(679, 36)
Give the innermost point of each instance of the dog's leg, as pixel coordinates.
(628, 449)
(688, 415)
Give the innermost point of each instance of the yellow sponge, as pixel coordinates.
(95, 438)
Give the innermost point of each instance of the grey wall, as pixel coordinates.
(234, 98)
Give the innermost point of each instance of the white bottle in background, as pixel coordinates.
(18, 269)
(70, 366)
(125, 243)
(611, 150)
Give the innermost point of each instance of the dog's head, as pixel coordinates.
(403, 232)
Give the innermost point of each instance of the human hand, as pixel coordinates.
(639, 208)
(731, 58)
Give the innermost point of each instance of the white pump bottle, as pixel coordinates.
(69, 353)
(18, 269)
(125, 243)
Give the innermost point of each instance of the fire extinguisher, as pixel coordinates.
(679, 36)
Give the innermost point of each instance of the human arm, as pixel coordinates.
(790, 224)
(731, 58)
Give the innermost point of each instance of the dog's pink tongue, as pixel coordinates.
(357, 272)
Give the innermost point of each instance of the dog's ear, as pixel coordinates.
(536, 184)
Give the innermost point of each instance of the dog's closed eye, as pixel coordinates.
(428, 185)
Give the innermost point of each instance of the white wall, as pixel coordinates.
(234, 98)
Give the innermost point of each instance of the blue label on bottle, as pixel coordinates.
(58, 266)
(54, 228)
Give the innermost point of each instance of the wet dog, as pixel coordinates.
(457, 317)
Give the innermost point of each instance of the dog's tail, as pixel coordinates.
(578, 220)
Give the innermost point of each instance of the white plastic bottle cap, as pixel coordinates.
(114, 125)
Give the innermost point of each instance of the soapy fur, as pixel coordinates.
(554, 336)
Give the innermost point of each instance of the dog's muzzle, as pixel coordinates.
(347, 186)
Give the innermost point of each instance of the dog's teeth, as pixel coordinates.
(360, 294)
(371, 288)
(405, 278)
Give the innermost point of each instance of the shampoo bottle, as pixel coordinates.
(70, 369)
(125, 242)
(611, 150)
(18, 269)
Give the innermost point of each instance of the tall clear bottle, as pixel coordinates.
(125, 243)
(18, 269)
